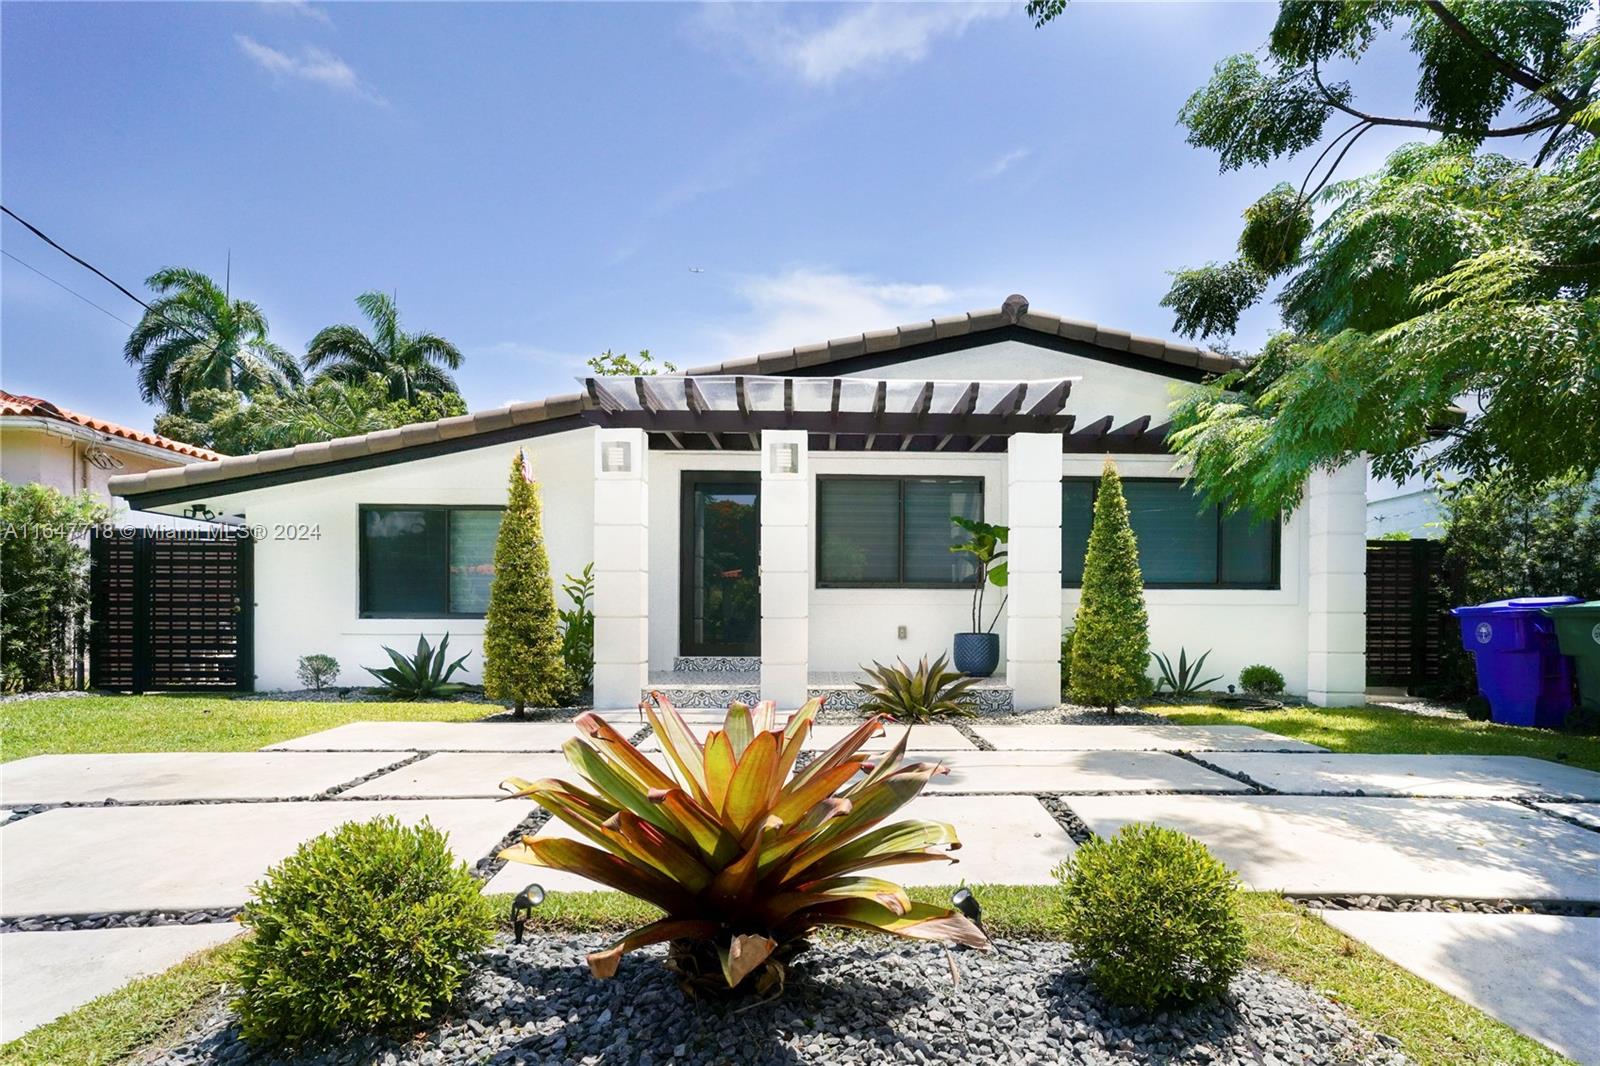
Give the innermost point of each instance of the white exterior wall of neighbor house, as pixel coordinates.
(50, 453)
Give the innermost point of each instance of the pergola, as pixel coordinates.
(729, 412)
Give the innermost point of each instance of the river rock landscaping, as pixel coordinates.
(847, 1001)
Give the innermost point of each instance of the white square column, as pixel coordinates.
(785, 566)
(621, 568)
(1033, 557)
(1336, 595)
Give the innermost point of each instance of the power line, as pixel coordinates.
(37, 232)
(59, 285)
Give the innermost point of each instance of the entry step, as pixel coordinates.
(715, 689)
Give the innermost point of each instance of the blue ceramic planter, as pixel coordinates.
(977, 654)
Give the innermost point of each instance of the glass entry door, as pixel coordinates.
(720, 555)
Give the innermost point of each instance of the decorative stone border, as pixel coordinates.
(1447, 905)
(56, 923)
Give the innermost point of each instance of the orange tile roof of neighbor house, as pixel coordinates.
(11, 404)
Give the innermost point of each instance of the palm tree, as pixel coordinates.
(410, 363)
(196, 337)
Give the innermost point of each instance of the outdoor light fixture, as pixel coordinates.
(616, 457)
(963, 900)
(784, 458)
(522, 908)
(200, 512)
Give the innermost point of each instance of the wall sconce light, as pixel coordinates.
(784, 458)
(616, 457)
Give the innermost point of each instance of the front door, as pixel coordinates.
(720, 556)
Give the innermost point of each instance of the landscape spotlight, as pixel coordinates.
(522, 908)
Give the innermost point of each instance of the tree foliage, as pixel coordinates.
(1447, 273)
(410, 364)
(522, 641)
(229, 423)
(609, 364)
(1111, 633)
(194, 336)
(44, 583)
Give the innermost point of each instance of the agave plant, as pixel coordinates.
(744, 859)
(919, 695)
(1185, 680)
(423, 675)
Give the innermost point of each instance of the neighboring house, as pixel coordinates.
(40, 442)
(788, 514)
(1410, 507)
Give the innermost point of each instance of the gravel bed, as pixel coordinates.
(1438, 904)
(36, 923)
(64, 694)
(849, 1001)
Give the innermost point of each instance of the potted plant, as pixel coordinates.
(977, 653)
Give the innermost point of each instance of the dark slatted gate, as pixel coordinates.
(170, 609)
(1408, 612)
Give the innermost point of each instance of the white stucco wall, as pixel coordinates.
(55, 457)
(307, 594)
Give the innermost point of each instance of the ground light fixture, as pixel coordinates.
(522, 908)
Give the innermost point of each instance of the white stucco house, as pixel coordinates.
(770, 523)
(43, 443)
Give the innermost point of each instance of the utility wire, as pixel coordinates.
(37, 232)
(60, 285)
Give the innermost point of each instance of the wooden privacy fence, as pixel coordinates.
(170, 609)
(1408, 613)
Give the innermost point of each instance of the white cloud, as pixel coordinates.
(864, 39)
(1003, 164)
(299, 8)
(803, 306)
(312, 64)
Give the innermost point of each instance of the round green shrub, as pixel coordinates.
(372, 927)
(1153, 916)
(1261, 680)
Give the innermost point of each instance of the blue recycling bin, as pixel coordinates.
(1521, 670)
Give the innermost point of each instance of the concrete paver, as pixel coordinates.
(85, 860)
(1538, 973)
(439, 736)
(1462, 776)
(1471, 849)
(1142, 737)
(183, 775)
(45, 975)
(1073, 771)
(929, 737)
(1007, 840)
(1587, 813)
(466, 775)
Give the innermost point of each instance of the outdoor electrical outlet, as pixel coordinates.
(900, 631)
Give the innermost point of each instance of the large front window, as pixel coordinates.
(427, 562)
(894, 532)
(1183, 541)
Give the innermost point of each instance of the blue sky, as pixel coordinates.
(535, 181)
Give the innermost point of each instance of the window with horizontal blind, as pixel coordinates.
(894, 532)
(1184, 542)
(427, 562)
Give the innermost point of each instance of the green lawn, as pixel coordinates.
(191, 722)
(1383, 730)
(1433, 1028)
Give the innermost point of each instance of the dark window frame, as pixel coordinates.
(900, 533)
(361, 555)
(1273, 584)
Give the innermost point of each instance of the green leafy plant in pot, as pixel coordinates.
(977, 652)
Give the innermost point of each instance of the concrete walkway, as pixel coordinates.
(186, 832)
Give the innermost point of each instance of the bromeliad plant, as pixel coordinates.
(919, 695)
(744, 859)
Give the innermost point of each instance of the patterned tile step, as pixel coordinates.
(716, 664)
(990, 697)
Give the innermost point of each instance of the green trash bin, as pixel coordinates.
(1578, 636)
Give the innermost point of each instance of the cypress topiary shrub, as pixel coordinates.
(522, 654)
(1153, 916)
(372, 927)
(1111, 633)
